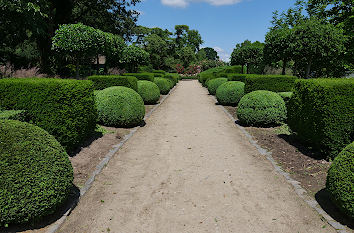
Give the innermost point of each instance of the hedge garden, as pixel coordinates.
(43, 119)
(319, 113)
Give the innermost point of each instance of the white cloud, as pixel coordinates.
(225, 56)
(185, 3)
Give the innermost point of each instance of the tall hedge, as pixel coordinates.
(142, 76)
(104, 81)
(64, 108)
(35, 173)
(275, 83)
(237, 77)
(321, 112)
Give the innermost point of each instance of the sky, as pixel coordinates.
(221, 23)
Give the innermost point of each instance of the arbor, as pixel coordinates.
(317, 45)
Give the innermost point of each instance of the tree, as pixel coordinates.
(186, 55)
(278, 46)
(249, 54)
(78, 42)
(211, 54)
(194, 39)
(317, 44)
(134, 56)
(181, 35)
(157, 48)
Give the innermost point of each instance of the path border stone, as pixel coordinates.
(300, 191)
(115, 148)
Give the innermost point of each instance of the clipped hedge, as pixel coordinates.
(104, 81)
(173, 78)
(164, 85)
(340, 180)
(120, 107)
(36, 174)
(141, 76)
(230, 93)
(19, 115)
(321, 112)
(213, 84)
(149, 91)
(237, 77)
(286, 97)
(275, 83)
(64, 108)
(261, 108)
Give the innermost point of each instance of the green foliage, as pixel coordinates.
(210, 53)
(134, 56)
(275, 83)
(340, 180)
(216, 72)
(172, 79)
(103, 81)
(36, 174)
(213, 84)
(120, 107)
(261, 108)
(286, 97)
(64, 108)
(186, 55)
(141, 76)
(230, 93)
(237, 77)
(149, 91)
(19, 115)
(164, 85)
(321, 112)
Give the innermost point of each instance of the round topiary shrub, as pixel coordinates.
(36, 175)
(213, 84)
(149, 91)
(163, 84)
(230, 93)
(120, 107)
(261, 108)
(340, 180)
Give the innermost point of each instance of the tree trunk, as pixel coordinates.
(308, 69)
(284, 67)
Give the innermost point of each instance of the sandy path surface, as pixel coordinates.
(190, 169)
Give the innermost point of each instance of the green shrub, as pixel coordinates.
(218, 72)
(19, 115)
(64, 108)
(141, 76)
(120, 107)
(159, 72)
(275, 83)
(36, 174)
(214, 84)
(286, 97)
(149, 91)
(261, 108)
(164, 85)
(321, 112)
(104, 81)
(340, 180)
(230, 93)
(237, 77)
(171, 79)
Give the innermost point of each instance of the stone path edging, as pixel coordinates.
(103, 163)
(301, 192)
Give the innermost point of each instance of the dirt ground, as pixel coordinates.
(190, 169)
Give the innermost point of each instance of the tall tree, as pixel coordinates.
(211, 54)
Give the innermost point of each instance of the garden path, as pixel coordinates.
(190, 169)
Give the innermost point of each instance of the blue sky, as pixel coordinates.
(222, 23)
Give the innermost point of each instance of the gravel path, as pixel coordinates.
(190, 169)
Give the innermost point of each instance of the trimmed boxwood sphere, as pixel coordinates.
(149, 91)
(213, 84)
(340, 180)
(163, 84)
(36, 175)
(120, 107)
(261, 108)
(230, 93)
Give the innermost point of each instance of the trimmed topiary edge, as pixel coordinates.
(149, 91)
(230, 93)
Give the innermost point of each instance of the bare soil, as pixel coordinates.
(190, 169)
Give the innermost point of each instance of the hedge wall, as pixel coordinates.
(275, 83)
(64, 108)
(19, 115)
(104, 81)
(237, 77)
(142, 76)
(321, 112)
